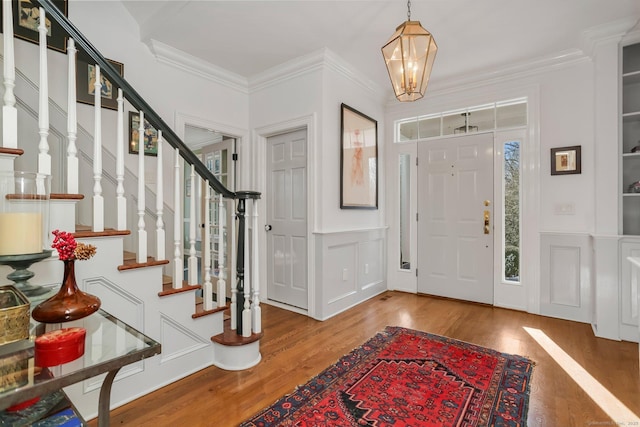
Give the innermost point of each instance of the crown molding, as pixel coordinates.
(314, 61)
(190, 64)
(465, 82)
(612, 32)
(287, 70)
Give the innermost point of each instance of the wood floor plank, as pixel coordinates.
(295, 348)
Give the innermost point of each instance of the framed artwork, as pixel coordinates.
(358, 160)
(86, 78)
(150, 136)
(566, 160)
(26, 18)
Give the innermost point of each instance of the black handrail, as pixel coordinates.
(169, 135)
(134, 98)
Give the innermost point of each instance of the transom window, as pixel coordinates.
(497, 115)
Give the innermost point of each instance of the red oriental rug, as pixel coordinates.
(403, 377)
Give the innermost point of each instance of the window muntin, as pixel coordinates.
(498, 115)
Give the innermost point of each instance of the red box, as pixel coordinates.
(59, 346)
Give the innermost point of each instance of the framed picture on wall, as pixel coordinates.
(566, 160)
(26, 18)
(150, 136)
(358, 160)
(86, 78)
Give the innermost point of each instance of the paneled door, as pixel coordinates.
(286, 218)
(455, 217)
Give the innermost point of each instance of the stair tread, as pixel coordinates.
(129, 264)
(230, 338)
(12, 151)
(84, 231)
(167, 289)
(200, 311)
(66, 196)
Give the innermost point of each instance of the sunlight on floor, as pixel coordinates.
(618, 412)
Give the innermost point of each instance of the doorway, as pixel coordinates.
(218, 158)
(286, 218)
(455, 217)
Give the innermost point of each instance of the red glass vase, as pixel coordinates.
(70, 303)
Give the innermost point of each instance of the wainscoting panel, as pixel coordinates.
(341, 276)
(350, 268)
(629, 290)
(565, 277)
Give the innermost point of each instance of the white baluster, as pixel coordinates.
(178, 270)
(98, 200)
(222, 283)
(193, 260)
(9, 111)
(208, 286)
(256, 310)
(72, 121)
(160, 233)
(246, 312)
(120, 199)
(44, 159)
(142, 233)
(233, 308)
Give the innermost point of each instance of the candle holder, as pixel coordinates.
(24, 212)
(21, 274)
(24, 223)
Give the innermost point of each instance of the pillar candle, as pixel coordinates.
(20, 233)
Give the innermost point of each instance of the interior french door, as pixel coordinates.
(218, 158)
(455, 217)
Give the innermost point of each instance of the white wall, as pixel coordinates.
(313, 98)
(168, 90)
(560, 114)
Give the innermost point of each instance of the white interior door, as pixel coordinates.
(286, 218)
(455, 217)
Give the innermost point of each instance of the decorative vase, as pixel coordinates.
(70, 303)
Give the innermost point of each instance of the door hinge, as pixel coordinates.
(234, 157)
(416, 216)
(416, 161)
(416, 272)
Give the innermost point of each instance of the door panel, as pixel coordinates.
(455, 256)
(287, 216)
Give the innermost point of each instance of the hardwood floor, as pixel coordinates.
(295, 348)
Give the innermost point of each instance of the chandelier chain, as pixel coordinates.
(408, 10)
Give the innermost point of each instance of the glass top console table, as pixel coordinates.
(109, 345)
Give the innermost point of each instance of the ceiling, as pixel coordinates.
(473, 37)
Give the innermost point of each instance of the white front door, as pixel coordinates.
(286, 218)
(455, 217)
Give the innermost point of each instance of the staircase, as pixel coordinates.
(169, 298)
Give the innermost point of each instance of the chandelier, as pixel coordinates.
(466, 127)
(409, 56)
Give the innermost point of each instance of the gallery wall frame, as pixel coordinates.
(566, 160)
(358, 160)
(26, 18)
(150, 136)
(85, 79)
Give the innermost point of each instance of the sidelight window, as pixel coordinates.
(511, 204)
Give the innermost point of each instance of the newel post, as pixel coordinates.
(242, 304)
